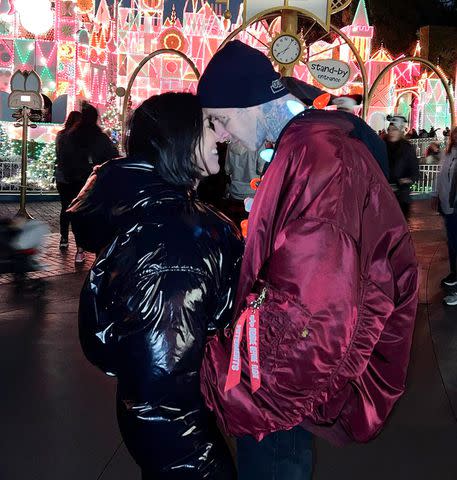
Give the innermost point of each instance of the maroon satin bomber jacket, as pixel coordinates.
(326, 229)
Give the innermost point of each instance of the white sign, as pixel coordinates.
(330, 73)
(319, 9)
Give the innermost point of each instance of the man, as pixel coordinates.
(403, 163)
(326, 231)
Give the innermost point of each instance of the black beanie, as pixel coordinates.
(239, 76)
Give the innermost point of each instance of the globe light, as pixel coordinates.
(37, 19)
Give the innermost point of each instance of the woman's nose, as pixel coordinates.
(222, 134)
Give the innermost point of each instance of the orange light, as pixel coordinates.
(322, 101)
(255, 182)
(244, 228)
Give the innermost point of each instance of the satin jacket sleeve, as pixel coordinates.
(382, 342)
(326, 229)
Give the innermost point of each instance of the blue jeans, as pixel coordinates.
(279, 456)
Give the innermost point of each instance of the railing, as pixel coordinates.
(427, 181)
(10, 178)
(421, 145)
(9, 169)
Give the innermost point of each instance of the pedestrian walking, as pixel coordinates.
(328, 288)
(67, 191)
(164, 279)
(83, 147)
(403, 163)
(444, 202)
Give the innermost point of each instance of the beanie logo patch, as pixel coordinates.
(277, 86)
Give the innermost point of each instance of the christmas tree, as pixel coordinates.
(5, 144)
(41, 171)
(111, 120)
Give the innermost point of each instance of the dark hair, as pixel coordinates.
(167, 129)
(89, 114)
(73, 118)
(86, 130)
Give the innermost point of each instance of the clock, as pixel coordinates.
(286, 49)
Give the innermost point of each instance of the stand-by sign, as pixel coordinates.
(332, 74)
(320, 10)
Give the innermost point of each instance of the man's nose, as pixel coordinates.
(222, 134)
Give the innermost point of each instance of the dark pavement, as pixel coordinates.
(46, 211)
(58, 412)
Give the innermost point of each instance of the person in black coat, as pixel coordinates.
(67, 190)
(164, 279)
(403, 163)
(79, 149)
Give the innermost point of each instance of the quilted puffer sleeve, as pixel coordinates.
(133, 307)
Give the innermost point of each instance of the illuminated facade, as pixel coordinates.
(88, 48)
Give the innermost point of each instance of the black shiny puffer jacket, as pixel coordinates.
(165, 277)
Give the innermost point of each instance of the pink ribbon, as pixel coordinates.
(249, 318)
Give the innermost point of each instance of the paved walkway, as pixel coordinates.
(53, 261)
(46, 211)
(57, 412)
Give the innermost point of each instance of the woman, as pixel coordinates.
(65, 189)
(165, 277)
(403, 163)
(445, 202)
(83, 147)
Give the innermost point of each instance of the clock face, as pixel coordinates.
(286, 49)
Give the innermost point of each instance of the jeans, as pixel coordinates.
(403, 195)
(451, 229)
(283, 455)
(67, 192)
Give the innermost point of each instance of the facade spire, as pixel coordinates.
(361, 15)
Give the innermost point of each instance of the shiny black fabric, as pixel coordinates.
(165, 277)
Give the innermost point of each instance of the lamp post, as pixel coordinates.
(25, 97)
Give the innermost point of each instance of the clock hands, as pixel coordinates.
(287, 48)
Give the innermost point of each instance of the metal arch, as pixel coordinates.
(404, 92)
(137, 70)
(333, 28)
(428, 64)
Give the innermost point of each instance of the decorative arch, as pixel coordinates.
(428, 64)
(406, 92)
(163, 51)
(277, 11)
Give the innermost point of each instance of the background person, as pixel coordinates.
(83, 147)
(67, 190)
(403, 163)
(444, 201)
